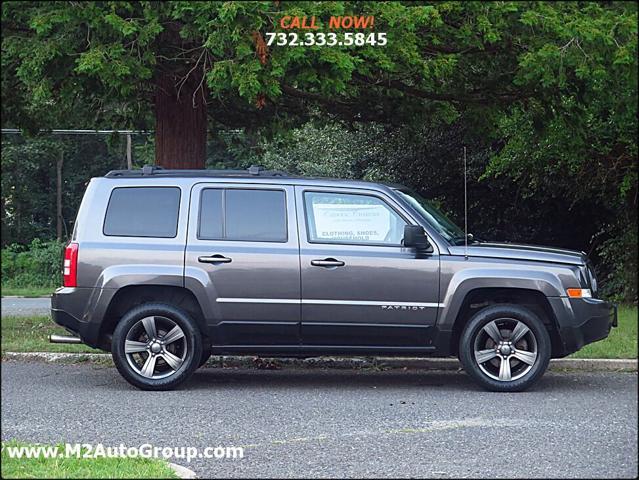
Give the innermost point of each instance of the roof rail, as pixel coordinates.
(152, 170)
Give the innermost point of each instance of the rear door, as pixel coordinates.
(243, 252)
(361, 289)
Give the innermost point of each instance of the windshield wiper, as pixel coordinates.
(460, 240)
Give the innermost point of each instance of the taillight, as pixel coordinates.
(70, 272)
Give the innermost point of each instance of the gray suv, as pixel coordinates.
(166, 267)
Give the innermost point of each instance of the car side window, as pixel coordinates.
(352, 219)
(253, 215)
(142, 212)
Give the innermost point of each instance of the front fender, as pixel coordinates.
(464, 281)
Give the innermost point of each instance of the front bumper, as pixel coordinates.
(582, 321)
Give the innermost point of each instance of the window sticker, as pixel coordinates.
(353, 223)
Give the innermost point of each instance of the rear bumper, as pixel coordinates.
(582, 321)
(67, 307)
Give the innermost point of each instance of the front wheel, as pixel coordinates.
(505, 348)
(206, 354)
(156, 346)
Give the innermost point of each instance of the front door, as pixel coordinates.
(360, 287)
(243, 254)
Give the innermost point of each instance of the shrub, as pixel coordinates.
(38, 264)
(619, 257)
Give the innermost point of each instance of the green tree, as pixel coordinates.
(189, 61)
(29, 181)
(545, 94)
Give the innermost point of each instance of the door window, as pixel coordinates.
(253, 215)
(352, 219)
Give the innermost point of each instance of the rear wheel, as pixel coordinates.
(505, 348)
(156, 346)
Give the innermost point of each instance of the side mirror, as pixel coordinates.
(415, 237)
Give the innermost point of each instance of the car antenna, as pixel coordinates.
(465, 209)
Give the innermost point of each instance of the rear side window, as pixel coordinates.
(243, 215)
(143, 212)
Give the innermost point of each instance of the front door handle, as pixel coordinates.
(214, 259)
(327, 262)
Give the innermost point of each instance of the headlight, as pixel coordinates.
(587, 278)
(584, 276)
(593, 279)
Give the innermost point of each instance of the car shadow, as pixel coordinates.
(324, 378)
(303, 379)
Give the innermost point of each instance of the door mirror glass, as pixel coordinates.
(415, 237)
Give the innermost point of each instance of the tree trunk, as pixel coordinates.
(58, 196)
(180, 122)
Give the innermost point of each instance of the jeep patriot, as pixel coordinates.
(166, 267)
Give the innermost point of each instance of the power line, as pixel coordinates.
(82, 132)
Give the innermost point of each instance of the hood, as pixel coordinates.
(513, 251)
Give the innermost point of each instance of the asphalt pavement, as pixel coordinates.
(24, 307)
(339, 423)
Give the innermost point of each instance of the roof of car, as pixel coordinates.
(153, 171)
(253, 172)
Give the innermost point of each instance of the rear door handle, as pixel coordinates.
(214, 259)
(327, 262)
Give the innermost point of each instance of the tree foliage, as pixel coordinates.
(440, 58)
(29, 180)
(544, 95)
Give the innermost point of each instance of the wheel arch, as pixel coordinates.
(482, 297)
(131, 296)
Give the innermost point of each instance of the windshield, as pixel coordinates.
(433, 216)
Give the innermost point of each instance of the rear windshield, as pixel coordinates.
(143, 212)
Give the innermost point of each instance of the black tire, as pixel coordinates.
(190, 343)
(506, 316)
(206, 354)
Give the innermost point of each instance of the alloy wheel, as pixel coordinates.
(505, 349)
(155, 347)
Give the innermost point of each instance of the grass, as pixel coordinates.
(30, 334)
(27, 292)
(80, 467)
(622, 341)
